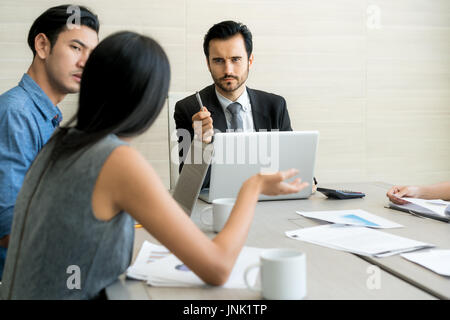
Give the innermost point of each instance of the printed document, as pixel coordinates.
(159, 267)
(356, 239)
(436, 260)
(355, 217)
(149, 253)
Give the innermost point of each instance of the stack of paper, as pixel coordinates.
(435, 209)
(437, 206)
(357, 239)
(436, 260)
(161, 268)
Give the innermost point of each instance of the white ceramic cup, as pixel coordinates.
(221, 209)
(283, 274)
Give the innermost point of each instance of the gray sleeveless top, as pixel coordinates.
(65, 252)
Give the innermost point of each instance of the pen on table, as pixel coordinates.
(200, 103)
(138, 225)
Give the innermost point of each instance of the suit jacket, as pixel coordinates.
(268, 110)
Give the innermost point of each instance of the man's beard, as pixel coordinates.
(220, 83)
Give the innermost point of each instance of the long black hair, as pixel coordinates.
(123, 89)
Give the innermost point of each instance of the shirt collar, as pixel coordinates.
(40, 99)
(243, 99)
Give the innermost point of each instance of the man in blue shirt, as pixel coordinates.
(61, 40)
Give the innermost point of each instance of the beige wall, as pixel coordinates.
(372, 76)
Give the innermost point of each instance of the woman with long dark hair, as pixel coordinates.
(79, 200)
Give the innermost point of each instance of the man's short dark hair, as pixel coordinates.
(53, 21)
(225, 30)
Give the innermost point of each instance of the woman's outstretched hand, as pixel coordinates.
(273, 184)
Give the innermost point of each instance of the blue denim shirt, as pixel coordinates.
(27, 120)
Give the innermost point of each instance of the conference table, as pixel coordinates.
(331, 274)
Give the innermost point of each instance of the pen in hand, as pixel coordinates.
(200, 103)
(208, 137)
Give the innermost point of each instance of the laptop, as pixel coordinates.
(191, 178)
(239, 155)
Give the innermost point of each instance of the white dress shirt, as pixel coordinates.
(246, 110)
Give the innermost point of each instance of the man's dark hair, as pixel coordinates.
(53, 21)
(225, 30)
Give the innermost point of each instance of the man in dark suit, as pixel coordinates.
(228, 104)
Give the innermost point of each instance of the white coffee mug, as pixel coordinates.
(221, 209)
(283, 274)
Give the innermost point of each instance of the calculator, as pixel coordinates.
(341, 194)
